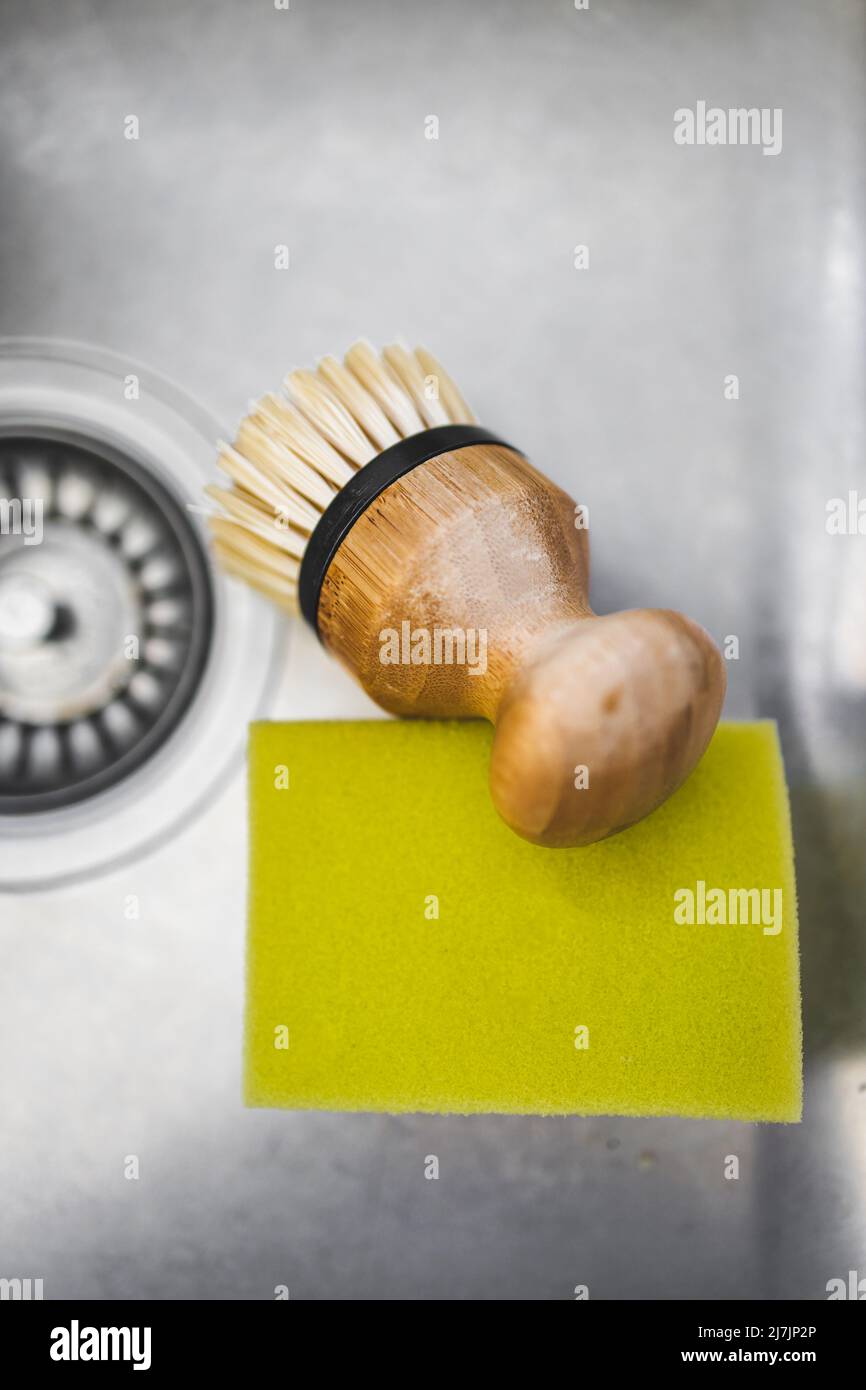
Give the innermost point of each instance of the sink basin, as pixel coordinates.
(307, 129)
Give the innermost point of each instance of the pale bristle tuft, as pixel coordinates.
(367, 411)
(424, 391)
(293, 453)
(330, 417)
(276, 415)
(373, 373)
(457, 409)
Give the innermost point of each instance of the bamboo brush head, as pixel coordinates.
(366, 496)
(296, 449)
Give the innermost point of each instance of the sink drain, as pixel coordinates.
(129, 668)
(105, 618)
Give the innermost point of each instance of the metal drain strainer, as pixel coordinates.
(129, 668)
(105, 616)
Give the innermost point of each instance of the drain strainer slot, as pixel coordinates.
(106, 613)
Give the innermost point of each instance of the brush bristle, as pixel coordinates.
(295, 450)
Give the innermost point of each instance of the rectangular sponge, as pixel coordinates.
(407, 952)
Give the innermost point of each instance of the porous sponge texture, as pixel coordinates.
(407, 952)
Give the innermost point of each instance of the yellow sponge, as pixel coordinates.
(408, 952)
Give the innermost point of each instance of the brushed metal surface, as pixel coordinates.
(306, 127)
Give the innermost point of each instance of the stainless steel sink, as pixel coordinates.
(258, 128)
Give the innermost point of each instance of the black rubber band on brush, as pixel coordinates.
(363, 488)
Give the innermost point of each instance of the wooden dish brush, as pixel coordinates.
(451, 578)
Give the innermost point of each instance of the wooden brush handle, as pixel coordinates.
(606, 719)
(598, 719)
